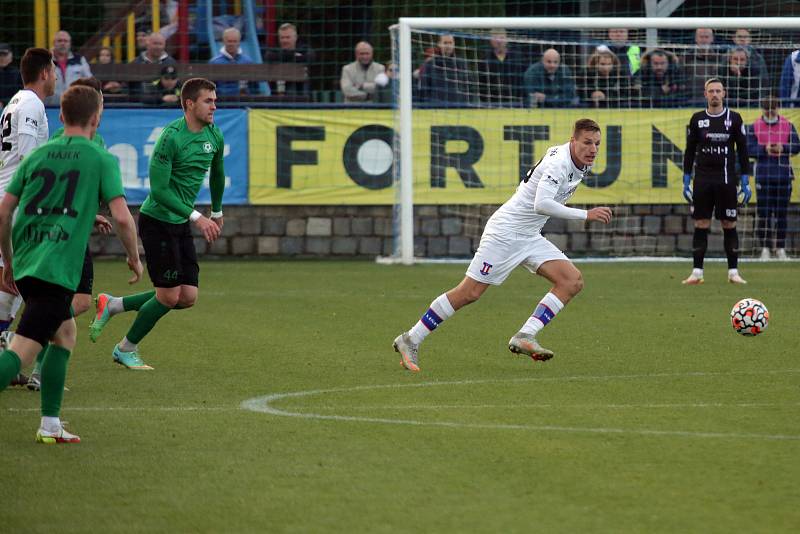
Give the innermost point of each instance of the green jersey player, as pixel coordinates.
(58, 188)
(187, 149)
(82, 299)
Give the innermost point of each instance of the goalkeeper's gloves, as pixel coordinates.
(687, 187)
(746, 193)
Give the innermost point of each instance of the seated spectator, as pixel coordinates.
(660, 80)
(10, 78)
(290, 52)
(165, 91)
(106, 57)
(69, 66)
(385, 93)
(445, 78)
(629, 55)
(358, 78)
(771, 140)
(604, 83)
(549, 83)
(743, 87)
(743, 39)
(700, 63)
(155, 53)
(501, 72)
(789, 88)
(231, 54)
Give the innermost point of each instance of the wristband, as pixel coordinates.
(195, 215)
(216, 214)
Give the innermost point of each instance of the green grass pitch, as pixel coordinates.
(654, 416)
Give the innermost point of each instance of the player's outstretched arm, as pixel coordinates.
(600, 214)
(126, 232)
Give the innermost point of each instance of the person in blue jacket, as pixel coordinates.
(231, 54)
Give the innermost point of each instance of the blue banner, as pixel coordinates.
(131, 135)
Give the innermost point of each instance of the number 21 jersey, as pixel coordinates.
(60, 186)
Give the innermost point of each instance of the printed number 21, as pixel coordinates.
(49, 178)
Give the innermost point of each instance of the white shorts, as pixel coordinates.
(498, 255)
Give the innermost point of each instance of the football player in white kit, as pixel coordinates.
(512, 237)
(23, 127)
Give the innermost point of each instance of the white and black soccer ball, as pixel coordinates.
(749, 317)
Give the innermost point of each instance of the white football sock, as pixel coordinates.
(127, 346)
(115, 305)
(547, 308)
(51, 424)
(440, 310)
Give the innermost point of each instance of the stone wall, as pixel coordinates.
(445, 231)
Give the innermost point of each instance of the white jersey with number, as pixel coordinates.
(557, 173)
(24, 115)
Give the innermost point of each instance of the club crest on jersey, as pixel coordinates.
(486, 268)
(728, 124)
(207, 147)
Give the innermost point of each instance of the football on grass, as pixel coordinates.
(749, 317)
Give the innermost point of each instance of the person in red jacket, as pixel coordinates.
(772, 139)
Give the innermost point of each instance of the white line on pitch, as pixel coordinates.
(566, 406)
(263, 404)
(136, 409)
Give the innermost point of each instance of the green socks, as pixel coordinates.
(9, 367)
(149, 314)
(135, 302)
(54, 375)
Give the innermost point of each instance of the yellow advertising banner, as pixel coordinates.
(462, 156)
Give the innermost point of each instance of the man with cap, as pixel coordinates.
(10, 79)
(164, 91)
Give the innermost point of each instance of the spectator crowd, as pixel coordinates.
(612, 72)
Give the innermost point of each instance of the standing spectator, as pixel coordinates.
(548, 83)
(742, 85)
(772, 139)
(10, 78)
(629, 55)
(69, 66)
(445, 78)
(501, 72)
(701, 62)
(141, 40)
(231, 54)
(165, 91)
(789, 88)
(290, 52)
(155, 53)
(660, 80)
(604, 83)
(106, 57)
(358, 78)
(385, 92)
(743, 39)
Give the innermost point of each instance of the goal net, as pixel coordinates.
(480, 100)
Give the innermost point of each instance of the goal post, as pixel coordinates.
(409, 52)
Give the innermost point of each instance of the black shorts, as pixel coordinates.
(716, 198)
(169, 252)
(47, 305)
(87, 275)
